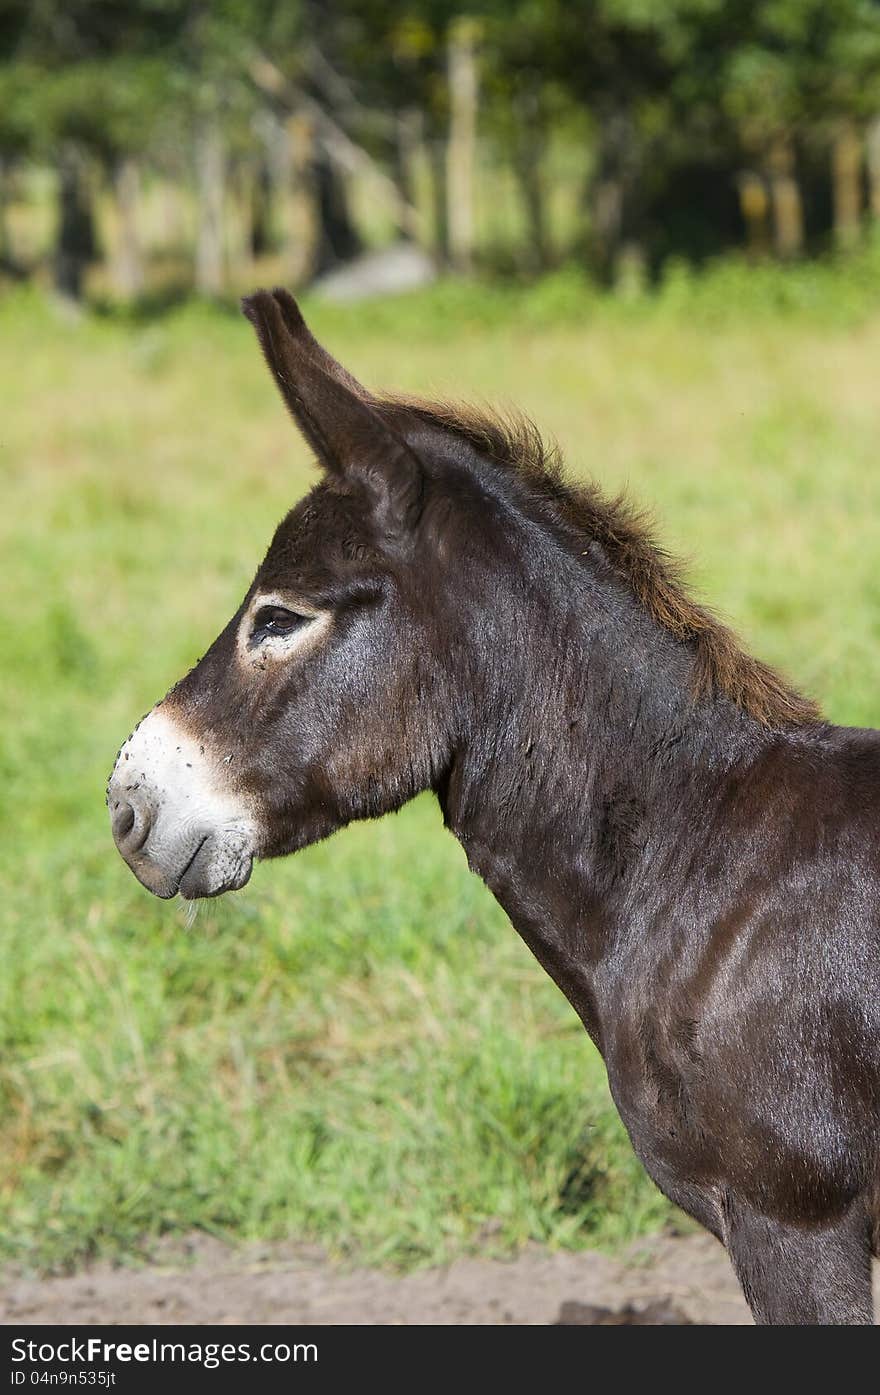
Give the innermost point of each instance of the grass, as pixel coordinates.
(358, 1049)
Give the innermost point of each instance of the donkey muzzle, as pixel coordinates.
(174, 817)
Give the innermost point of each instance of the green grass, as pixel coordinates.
(358, 1049)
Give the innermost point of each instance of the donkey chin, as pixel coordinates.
(176, 818)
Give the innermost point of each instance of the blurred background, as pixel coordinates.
(652, 224)
(156, 147)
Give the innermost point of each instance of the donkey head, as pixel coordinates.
(324, 699)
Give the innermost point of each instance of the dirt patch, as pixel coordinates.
(204, 1281)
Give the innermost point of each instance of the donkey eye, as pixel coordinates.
(276, 620)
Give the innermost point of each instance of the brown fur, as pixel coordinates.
(625, 534)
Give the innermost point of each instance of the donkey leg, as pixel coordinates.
(797, 1275)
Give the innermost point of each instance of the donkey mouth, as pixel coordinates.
(217, 866)
(218, 863)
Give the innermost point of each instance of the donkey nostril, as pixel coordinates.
(131, 824)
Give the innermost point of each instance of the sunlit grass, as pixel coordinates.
(357, 1048)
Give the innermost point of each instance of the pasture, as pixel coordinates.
(357, 1049)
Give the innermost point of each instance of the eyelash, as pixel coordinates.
(276, 620)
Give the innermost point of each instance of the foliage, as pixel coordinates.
(668, 99)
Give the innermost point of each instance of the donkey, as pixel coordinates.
(687, 848)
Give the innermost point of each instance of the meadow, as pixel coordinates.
(357, 1049)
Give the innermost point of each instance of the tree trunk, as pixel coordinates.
(461, 152)
(174, 221)
(630, 271)
(292, 156)
(872, 150)
(616, 222)
(754, 207)
(260, 227)
(607, 222)
(785, 200)
(75, 237)
(211, 182)
(529, 152)
(319, 233)
(5, 250)
(407, 147)
(439, 191)
(128, 267)
(846, 166)
(338, 238)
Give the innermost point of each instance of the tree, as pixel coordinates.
(88, 77)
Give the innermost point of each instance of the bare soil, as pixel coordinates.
(664, 1279)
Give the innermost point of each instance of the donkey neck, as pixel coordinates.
(585, 761)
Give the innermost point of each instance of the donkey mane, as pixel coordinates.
(625, 534)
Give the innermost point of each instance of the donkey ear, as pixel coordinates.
(342, 423)
(256, 308)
